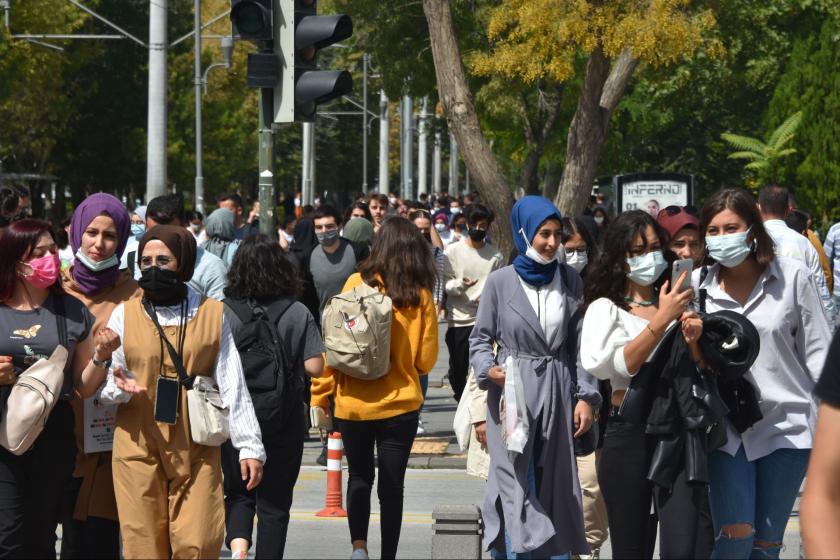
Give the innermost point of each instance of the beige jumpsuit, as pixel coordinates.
(168, 489)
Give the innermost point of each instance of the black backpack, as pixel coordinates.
(269, 374)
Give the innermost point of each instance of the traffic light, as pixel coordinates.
(299, 35)
(253, 20)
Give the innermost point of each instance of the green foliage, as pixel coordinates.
(764, 157)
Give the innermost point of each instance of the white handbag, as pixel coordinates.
(209, 423)
(30, 402)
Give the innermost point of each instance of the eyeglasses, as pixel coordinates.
(673, 210)
(161, 261)
(571, 252)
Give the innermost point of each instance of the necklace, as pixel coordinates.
(641, 303)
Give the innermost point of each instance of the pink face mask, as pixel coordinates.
(44, 271)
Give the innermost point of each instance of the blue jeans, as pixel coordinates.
(424, 386)
(760, 492)
(510, 555)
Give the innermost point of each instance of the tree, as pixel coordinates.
(764, 157)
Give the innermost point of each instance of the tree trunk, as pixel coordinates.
(528, 176)
(454, 92)
(601, 91)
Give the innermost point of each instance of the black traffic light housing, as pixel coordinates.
(253, 20)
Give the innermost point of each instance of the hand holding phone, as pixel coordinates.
(680, 266)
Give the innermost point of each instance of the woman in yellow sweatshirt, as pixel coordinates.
(384, 412)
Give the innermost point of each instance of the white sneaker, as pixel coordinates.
(420, 429)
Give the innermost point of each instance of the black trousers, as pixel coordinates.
(393, 438)
(685, 523)
(271, 501)
(458, 343)
(32, 487)
(96, 537)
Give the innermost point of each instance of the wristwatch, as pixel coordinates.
(101, 363)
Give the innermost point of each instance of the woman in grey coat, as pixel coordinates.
(530, 311)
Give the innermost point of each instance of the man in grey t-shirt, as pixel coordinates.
(334, 260)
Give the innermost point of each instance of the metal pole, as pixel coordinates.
(156, 129)
(365, 61)
(199, 175)
(436, 164)
(423, 150)
(384, 123)
(408, 140)
(453, 165)
(306, 167)
(266, 161)
(313, 158)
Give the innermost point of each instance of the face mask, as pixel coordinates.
(392, 201)
(327, 238)
(455, 210)
(440, 227)
(477, 234)
(729, 250)
(162, 286)
(645, 269)
(44, 271)
(297, 202)
(599, 220)
(535, 255)
(578, 261)
(138, 229)
(96, 266)
(196, 228)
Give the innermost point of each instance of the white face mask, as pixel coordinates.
(455, 210)
(196, 228)
(96, 266)
(577, 260)
(598, 220)
(440, 227)
(645, 269)
(535, 255)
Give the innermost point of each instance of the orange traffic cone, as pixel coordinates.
(334, 493)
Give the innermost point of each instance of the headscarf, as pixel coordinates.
(90, 282)
(179, 241)
(527, 216)
(140, 211)
(359, 230)
(220, 228)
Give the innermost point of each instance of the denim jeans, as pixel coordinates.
(760, 492)
(510, 555)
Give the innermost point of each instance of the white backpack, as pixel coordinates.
(357, 332)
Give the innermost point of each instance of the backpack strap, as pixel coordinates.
(702, 300)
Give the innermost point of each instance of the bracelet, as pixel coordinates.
(651, 331)
(104, 364)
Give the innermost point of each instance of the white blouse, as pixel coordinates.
(607, 329)
(245, 432)
(547, 297)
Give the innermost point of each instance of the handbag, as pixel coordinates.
(209, 418)
(34, 394)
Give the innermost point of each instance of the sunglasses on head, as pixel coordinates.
(673, 210)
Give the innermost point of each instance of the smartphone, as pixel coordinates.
(167, 399)
(680, 266)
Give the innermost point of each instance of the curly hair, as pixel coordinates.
(607, 276)
(400, 261)
(260, 270)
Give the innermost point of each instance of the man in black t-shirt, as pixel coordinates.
(820, 510)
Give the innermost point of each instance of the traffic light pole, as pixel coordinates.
(266, 183)
(199, 174)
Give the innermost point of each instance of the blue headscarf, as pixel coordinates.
(528, 215)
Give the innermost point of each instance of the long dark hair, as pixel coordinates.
(607, 276)
(742, 203)
(401, 262)
(16, 243)
(260, 270)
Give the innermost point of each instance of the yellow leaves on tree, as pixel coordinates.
(535, 39)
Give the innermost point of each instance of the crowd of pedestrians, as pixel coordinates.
(628, 376)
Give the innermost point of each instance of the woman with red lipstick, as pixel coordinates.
(35, 317)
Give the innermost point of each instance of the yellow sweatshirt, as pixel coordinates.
(414, 349)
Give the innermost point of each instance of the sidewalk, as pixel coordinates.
(437, 448)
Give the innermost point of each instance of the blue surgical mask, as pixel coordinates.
(96, 266)
(646, 269)
(138, 229)
(729, 250)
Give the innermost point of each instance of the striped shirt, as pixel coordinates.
(245, 432)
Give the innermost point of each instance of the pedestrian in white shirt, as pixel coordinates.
(832, 251)
(755, 476)
(774, 206)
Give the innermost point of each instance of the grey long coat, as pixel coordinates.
(552, 522)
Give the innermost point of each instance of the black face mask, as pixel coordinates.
(161, 286)
(477, 234)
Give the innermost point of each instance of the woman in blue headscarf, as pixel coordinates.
(530, 312)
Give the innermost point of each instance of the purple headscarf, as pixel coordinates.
(100, 203)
